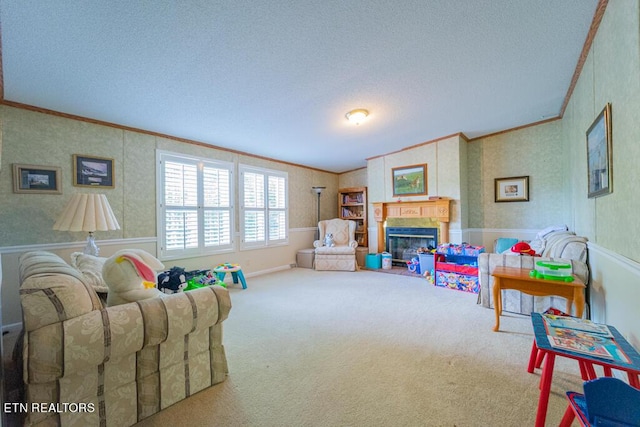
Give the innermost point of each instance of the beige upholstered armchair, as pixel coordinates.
(341, 256)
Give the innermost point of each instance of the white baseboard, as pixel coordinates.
(268, 270)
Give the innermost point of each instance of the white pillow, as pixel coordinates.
(91, 268)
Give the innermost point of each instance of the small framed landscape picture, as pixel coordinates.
(599, 164)
(513, 189)
(409, 180)
(36, 179)
(92, 171)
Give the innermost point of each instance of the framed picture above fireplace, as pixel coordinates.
(409, 180)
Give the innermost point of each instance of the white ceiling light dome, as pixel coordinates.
(357, 116)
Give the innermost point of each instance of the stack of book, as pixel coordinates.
(583, 336)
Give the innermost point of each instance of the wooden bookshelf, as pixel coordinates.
(352, 204)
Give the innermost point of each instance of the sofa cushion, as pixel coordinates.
(504, 244)
(91, 268)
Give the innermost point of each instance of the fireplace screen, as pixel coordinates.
(403, 242)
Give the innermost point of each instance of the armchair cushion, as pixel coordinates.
(335, 250)
(343, 232)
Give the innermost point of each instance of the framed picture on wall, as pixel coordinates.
(409, 180)
(513, 189)
(36, 179)
(92, 171)
(599, 164)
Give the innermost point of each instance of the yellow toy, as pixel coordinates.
(130, 275)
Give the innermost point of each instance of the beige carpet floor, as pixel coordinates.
(309, 348)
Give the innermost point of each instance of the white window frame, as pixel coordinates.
(267, 242)
(201, 250)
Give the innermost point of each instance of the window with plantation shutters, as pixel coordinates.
(195, 211)
(263, 207)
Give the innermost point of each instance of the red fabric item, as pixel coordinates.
(522, 248)
(143, 269)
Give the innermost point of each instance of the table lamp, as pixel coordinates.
(87, 212)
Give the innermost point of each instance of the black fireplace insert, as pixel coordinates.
(403, 242)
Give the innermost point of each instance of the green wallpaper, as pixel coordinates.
(42, 139)
(535, 152)
(611, 74)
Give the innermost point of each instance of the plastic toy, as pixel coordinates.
(414, 265)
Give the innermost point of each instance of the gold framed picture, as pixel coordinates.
(513, 189)
(599, 162)
(36, 179)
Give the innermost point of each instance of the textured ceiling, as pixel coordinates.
(275, 78)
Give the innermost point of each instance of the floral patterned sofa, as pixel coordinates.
(556, 245)
(113, 365)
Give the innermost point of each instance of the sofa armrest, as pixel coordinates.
(84, 342)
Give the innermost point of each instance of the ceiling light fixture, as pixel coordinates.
(357, 116)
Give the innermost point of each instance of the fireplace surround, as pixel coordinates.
(437, 208)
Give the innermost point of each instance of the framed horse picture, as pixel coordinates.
(409, 180)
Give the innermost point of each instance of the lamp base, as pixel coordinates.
(91, 248)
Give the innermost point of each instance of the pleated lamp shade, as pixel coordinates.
(87, 212)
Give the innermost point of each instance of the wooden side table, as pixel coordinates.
(520, 280)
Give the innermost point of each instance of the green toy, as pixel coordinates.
(552, 270)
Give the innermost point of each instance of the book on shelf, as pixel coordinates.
(584, 337)
(348, 213)
(352, 198)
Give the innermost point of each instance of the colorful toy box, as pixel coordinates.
(459, 282)
(461, 249)
(461, 274)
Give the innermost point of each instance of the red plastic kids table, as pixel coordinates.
(542, 349)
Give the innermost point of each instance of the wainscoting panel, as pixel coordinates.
(615, 291)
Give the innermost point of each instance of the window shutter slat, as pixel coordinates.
(196, 208)
(264, 206)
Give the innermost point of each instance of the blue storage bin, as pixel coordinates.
(373, 261)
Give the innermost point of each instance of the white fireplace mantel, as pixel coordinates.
(437, 209)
